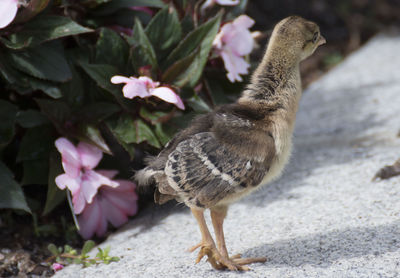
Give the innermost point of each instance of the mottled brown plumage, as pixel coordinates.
(238, 147)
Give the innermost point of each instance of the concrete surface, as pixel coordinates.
(324, 217)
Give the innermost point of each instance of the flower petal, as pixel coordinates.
(125, 201)
(91, 181)
(78, 201)
(207, 4)
(101, 226)
(235, 65)
(64, 180)
(90, 155)
(8, 10)
(117, 79)
(124, 186)
(243, 21)
(89, 220)
(108, 173)
(70, 157)
(228, 2)
(241, 43)
(135, 88)
(149, 82)
(168, 95)
(112, 213)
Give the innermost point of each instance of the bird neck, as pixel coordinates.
(279, 68)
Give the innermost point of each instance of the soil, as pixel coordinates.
(346, 25)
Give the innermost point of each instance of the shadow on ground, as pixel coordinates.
(323, 249)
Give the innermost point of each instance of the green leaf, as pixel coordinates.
(8, 113)
(31, 118)
(179, 73)
(93, 135)
(207, 30)
(36, 144)
(129, 131)
(162, 135)
(74, 91)
(44, 28)
(30, 10)
(144, 53)
(96, 112)
(164, 30)
(237, 10)
(102, 74)
(201, 37)
(198, 104)
(53, 249)
(111, 49)
(187, 23)
(115, 259)
(49, 88)
(154, 117)
(10, 74)
(112, 6)
(45, 62)
(11, 195)
(88, 246)
(54, 195)
(35, 171)
(55, 110)
(100, 253)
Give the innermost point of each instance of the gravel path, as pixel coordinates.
(324, 217)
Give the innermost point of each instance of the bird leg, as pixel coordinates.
(208, 246)
(217, 216)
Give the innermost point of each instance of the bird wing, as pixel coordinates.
(203, 171)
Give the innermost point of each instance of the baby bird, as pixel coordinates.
(235, 149)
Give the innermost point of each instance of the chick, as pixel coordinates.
(233, 150)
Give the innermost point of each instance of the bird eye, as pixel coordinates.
(315, 37)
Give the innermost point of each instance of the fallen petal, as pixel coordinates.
(57, 266)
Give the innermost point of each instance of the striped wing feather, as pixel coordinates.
(203, 171)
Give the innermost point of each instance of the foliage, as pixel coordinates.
(56, 62)
(69, 255)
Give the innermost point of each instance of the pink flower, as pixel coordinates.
(232, 43)
(8, 10)
(210, 3)
(112, 205)
(79, 177)
(144, 87)
(57, 266)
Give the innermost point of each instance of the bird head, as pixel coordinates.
(298, 36)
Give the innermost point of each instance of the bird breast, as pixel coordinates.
(283, 145)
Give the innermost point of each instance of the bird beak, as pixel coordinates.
(321, 41)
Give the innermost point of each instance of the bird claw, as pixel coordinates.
(217, 261)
